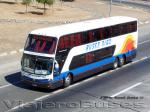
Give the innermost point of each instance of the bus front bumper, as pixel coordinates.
(45, 84)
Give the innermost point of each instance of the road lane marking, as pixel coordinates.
(13, 52)
(140, 22)
(4, 86)
(43, 97)
(144, 42)
(3, 54)
(48, 95)
(21, 50)
(99, 3)
(147, 22)
(127, 89)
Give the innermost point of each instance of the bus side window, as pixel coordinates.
(77, 39)
(84, 38)
(90, 36)
(107, 32)
(125, 28)
(67, 41)
(77, 61)
(133, 26)
(129, 27)
(89, 58)
(61, 44)
(72, 41)
(115, 30)
(96, 35)
(101, 34)
(121, 29)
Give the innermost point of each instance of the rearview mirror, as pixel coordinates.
(56, 67)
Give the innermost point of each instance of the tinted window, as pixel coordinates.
(91, 57)
(41, 44)
(116, 30)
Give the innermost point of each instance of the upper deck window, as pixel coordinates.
(41, 44)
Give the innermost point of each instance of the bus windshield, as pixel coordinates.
(37, 65)
(41, 44)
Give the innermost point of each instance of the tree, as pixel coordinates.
(27, 3)
(48, 2)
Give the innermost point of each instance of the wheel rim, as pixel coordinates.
(121, 61)
(67, 80)
(116, 64)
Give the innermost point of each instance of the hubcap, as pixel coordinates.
(67, 81)
(116, 64)
(122, 61)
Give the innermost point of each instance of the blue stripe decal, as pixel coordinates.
(94, 65)
(81, 69)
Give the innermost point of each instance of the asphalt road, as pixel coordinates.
(135, 3)
(89, 95)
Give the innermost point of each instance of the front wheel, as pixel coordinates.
(67, 81)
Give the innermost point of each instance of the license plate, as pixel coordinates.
(35, 85)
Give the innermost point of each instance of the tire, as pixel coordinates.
(115, 64)
(122, 61)
(67, 81)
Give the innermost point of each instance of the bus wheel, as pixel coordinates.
(116, 63)
(121, 61)
(67, 81)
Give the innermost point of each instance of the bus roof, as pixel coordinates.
(58, 31)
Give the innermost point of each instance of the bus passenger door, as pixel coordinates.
(56, 71)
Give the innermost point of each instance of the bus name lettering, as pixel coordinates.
(96, 45)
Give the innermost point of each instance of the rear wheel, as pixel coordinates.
(116, 63)
(122, 61)
(68, 81)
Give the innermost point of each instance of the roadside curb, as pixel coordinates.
(38, 22)
(144, 22)
(11, 52)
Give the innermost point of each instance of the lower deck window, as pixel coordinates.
(91, 57)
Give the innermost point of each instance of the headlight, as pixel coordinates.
(43, 72)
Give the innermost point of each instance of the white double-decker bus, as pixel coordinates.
(60, 55)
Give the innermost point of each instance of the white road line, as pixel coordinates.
(127, 89)
(147, 22)
(99, 3)
(141, 59)
(13, 52)
(140, 22)
(43, 97)
(4, 86)
(21, 50)
(3, 54)
(144, 42)
(48, 95)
